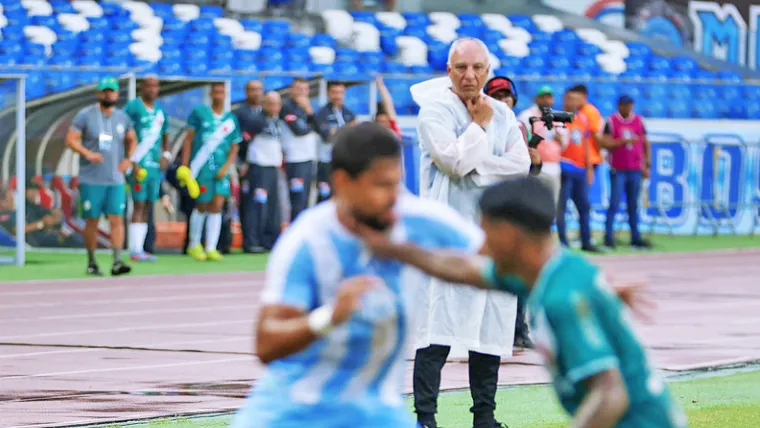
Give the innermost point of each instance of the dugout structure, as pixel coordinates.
(12, 131)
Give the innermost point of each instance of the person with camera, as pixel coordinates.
(550, 148)
(577, 173)
(503, 89)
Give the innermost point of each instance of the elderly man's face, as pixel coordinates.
(272, 104)
(468, 70)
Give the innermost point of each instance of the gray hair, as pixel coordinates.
(458, 44)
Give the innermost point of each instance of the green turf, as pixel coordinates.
(72, 265)
(55, 265)
(727, 401)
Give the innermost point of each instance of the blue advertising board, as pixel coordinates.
(711, 185)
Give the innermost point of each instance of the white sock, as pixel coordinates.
(213, 230)
(142, 230)
(132, 237)
(196, 227)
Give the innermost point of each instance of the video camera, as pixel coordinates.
(549, 117)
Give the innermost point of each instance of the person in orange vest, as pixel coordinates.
(595, 123)
(577, 173)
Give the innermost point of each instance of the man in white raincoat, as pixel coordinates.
(468, 141)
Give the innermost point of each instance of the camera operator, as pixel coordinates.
(549, 149)
(502, 89)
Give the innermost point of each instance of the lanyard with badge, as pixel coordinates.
(104, 138)
(274, 129)
(339, 117)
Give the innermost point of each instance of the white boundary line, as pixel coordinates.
(133, 288)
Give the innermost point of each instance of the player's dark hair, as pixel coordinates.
(581, 89)
(298, 80)
(335, 83)
(218, 84)
(355, 148)
(525, 202)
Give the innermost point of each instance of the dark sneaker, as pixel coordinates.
(610, 243)
(427, 423)
(642, 244)
(119, 268)
(94, 270)
(591, 249)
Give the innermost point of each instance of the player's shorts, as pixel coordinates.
(147, 190)
(266, 411)
(211, 187)
(102, 199)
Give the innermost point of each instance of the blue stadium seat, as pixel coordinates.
(162, 10)
(34, 60)
(364, 16)
(539, 48)
(639, 49)
(323, 69)
(297, 67)
(653, 108)
(416, 19)
(173, 24)
(565, 36)
(753, 110)
(391, 67)
(252, 25)
(522, 21)
(679, 91)
(704, 111)
(323, 40)
(209, 11)
(275, 28)
(655, 91)
(751, 92)
(678, 109)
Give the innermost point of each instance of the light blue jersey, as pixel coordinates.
(355, 375)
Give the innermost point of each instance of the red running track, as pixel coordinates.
(93, 351)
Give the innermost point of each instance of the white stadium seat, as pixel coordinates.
(87, 8)
(41, 35)
(516, 33)
(548, 23)
(442, 33)
(148, 36)
(496, 22)
(592, 35)
(74, 22)
(339, 24)
(154, 23)
(186, 12)
(37, 7)
(249, 40)
(516, 48)
(146, 51)
(412, 51)
(137, 8)
(392, 19)
(322, 54)
(3, 21)
(229, 27)
(616, 47)
(366, 37)
(611, 63)
(445, 19)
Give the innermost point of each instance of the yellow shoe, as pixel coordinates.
(197, 253)
(215, 256)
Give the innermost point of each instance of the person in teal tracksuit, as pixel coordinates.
(600, 370)
(152, 154)
(210, 150)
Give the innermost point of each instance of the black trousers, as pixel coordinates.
(484, 376)
(263, 206)
(521, 326)
(323, 181)
(300, 176)
(150, 237)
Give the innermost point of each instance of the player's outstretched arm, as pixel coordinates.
(605, 403)
(284, 330)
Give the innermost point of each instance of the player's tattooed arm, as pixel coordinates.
(605, 403)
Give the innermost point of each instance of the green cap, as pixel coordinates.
(108, 83)
(545, 90)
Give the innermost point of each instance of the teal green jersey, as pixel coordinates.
(580, 328)
(150, 125)
(214, 137)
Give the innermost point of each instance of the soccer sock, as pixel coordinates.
(213, 230)
(142, 233)
(116, 255)
(196, 227)
(91, 258)
(132, 237)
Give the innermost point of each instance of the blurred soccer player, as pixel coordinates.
(211, 142)
(335, 320)
(601, 373)
(152, 154)
(104, 138)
